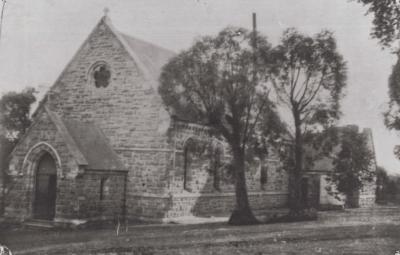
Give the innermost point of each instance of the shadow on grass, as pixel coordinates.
(304, 215)
(110, 224)
(9, 226)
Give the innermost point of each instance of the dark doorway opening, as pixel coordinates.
(45, 188)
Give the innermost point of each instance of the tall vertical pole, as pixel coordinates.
(254, 48)
(3, 5)
(254, 30)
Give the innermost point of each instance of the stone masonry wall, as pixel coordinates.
(147, 181)
(101, 202)
(127, 110)
(201, 198)
(149, 207)
(77, 195)
(130, 113)
(20, 199)
(222, 204)
(155, 181)
(367, 197)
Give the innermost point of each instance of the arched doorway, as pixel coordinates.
(45, 188)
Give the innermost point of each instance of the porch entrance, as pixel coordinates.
(45, 188)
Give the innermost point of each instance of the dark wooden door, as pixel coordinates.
(45, 188)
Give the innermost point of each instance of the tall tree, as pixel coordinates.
(14, 112)
(352, 164)
(219, 82)
(268, 141)
(14, 120)
(386, 21)
(386, 28)
(392, 114)
(308, 77)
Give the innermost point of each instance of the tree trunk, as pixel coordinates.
(242, 214)
(295, 193)
(216, 166)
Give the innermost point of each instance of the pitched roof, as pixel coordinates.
(149, 57)
(153, 57)
(87, 144)
(66, 136)
(93, 144)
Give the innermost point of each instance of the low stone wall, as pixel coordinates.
(367, 196)
(367, 201)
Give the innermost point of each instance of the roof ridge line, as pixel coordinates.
(126, 46)
(68, 139)
(105, 20)
(147, 42)
(45, 97)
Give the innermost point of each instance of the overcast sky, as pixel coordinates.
(39, 37)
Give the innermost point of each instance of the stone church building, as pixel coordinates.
(103, 146)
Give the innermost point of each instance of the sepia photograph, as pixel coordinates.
(154, 127)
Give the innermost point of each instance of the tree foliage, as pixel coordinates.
(220, 82)
(386, 187)
(6, 147)
(308, 76)
(392, 114)
(386, 21)
(14, 112)
(14, 121)
(353, 163)
(386, 28)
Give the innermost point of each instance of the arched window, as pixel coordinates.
(103, 188)
(263, 176)
(199, 155)
(194, 152)
(100, 75)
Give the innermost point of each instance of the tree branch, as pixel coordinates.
(261, 108)
(313, 94)
(305, 86)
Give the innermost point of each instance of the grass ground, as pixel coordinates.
(372, 246)
(374, 231)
